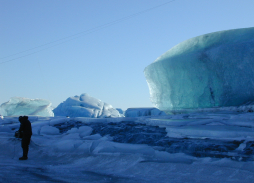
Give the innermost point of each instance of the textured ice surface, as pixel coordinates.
(85, 106)
(210, 70)
(135, 152)
(49, 130)
(137, 112)
(25, 106)
(214, 135)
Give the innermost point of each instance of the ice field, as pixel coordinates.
(197, 59)
(205, 146)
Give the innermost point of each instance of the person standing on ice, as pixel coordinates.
(26, 131)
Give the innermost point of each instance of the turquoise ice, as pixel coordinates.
(17, 106)
(210, 70)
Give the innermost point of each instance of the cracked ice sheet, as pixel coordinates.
(228, 125)
(46, 166)
(102, 160)
(212, 132)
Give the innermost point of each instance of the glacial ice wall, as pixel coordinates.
(138, 112)
(85, 106)
(210, 70)
(24, 106)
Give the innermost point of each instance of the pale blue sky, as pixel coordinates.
(107, 64)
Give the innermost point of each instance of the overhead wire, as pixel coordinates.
(77, 35)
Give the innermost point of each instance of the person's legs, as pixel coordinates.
(25, 145)
(25, 151)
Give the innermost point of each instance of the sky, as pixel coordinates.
(106, 62)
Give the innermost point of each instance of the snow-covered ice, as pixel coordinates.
(17, 106)
(210, 70)
(195, 147)
(85, 106)
(121, 111)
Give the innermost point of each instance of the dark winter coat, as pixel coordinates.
(25, 126)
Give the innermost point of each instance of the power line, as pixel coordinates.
(50, 46)
(75, 36)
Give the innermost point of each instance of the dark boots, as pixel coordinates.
(25, 152)
(23, 158)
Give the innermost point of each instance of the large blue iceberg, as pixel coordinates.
(212, 70)
(85, 106)
(17, 106)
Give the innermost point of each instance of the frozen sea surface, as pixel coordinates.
(197, 147)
